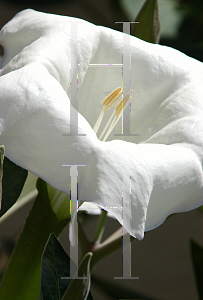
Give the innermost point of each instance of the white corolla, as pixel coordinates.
(140, 179)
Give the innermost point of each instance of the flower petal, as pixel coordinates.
(35, 113)
(164, 179)
(140, 184)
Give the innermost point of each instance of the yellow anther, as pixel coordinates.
(112, 98)
(107, 103)
(122, 103)
(118, 109)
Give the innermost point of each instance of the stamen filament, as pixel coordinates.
(110, 129)
(98, 122)
(107, 103)
(105, 128)
(118, 110)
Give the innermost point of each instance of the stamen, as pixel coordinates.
(112, 98)
(122, 103)
(107, 103)
(105, 128)
(98, 122)
(110, 129)
(118, 110)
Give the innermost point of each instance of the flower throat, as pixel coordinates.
(107, 103)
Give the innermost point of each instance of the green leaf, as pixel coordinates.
(200, 208)
(13, 181)
(55, 264)
(60, 202)
(148, 28)
(79, 288)
(24, 268)
(197, 259)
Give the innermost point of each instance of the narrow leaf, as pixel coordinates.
(24, 268)
(197, 259)
(55, 264)
(79, 288)
(148, 28)
(13, 181)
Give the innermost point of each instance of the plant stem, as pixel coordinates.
(110, 245)
(85, 244)
(100, 227)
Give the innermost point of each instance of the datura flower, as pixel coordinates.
(140, 178)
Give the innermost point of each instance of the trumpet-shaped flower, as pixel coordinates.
(161, 168)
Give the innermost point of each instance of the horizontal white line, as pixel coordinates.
(101, 65)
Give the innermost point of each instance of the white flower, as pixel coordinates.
(163, 165)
